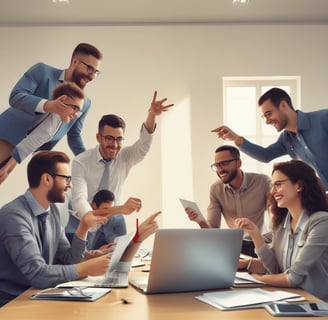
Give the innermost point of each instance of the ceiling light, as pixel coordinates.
(240, 1)
(61, 1)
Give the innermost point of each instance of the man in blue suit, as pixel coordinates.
(30, 102)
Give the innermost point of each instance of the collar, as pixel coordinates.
(62, 76)
(35, 206)
(303, 122)
(99, 156)
(300, 224)
(243, 185)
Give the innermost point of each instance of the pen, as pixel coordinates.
(136, 236)
(125, 301)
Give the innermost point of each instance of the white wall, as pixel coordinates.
(184, 63)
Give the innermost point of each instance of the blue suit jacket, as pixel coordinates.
(36, 84)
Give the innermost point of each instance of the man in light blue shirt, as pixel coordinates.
(304, 135)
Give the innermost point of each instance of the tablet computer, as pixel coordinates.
(300, 310)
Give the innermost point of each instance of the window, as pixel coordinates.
(241, 114)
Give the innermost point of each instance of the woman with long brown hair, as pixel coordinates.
(298, 254)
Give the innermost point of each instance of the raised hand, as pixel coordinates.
(157, 106)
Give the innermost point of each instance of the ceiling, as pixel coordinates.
(112, 12)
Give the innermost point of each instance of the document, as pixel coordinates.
(71, 294)
(244, 298)
(192, 205)
(111, 278)
(245, 279)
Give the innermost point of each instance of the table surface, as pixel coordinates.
(110, 307)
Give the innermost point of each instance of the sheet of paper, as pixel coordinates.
(246, 277)
(192, 205)
(236, 298)
(121, 243)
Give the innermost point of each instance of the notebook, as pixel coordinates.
(113, 278)
(191, 260)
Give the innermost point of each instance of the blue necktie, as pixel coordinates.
(104, 183)
(42, 220)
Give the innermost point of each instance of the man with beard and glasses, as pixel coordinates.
(304, 135)
(34, 251)
(70, 95)
(31, 103)
(107, 166)
(236, 194)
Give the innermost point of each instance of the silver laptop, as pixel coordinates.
(191, 260)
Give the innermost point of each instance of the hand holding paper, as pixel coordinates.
(192, 210)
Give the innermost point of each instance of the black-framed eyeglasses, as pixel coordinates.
(277, 184)
(91, 69)
(68, 178)
(222, 164)
(110, 139)
(76, 109)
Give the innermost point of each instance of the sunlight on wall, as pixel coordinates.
(176, 164)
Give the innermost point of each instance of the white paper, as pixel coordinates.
(241, 298)
(121, 244)
(192, 205)
(245, 277)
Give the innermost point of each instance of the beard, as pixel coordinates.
(230, 177)
(55, 195)
(282, 124)
(77, 77)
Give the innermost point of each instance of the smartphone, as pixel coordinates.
(302, 310)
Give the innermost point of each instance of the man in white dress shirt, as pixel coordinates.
(88, 170)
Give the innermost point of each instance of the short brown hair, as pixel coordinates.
(69, 89)
(233, 150)
(111, 120)
(276, 95)
(44, 162)
(87, 49)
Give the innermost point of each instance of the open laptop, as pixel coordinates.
(191, 260)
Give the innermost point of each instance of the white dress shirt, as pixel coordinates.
(88, 168)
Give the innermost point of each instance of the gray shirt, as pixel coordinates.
(303, 256)
(249, 201)
(21, 261)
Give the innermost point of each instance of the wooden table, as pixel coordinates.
(141, 307)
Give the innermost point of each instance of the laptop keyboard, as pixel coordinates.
(116, 280)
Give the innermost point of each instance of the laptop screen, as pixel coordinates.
(194, 259)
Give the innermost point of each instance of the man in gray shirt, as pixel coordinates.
(34, 250)
(236, 194)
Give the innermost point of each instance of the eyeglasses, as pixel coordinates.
(222, 164)
(68, 178)
(111, 139)
(267, 115)
(91, 69)
(76, 109)
(277, 185)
